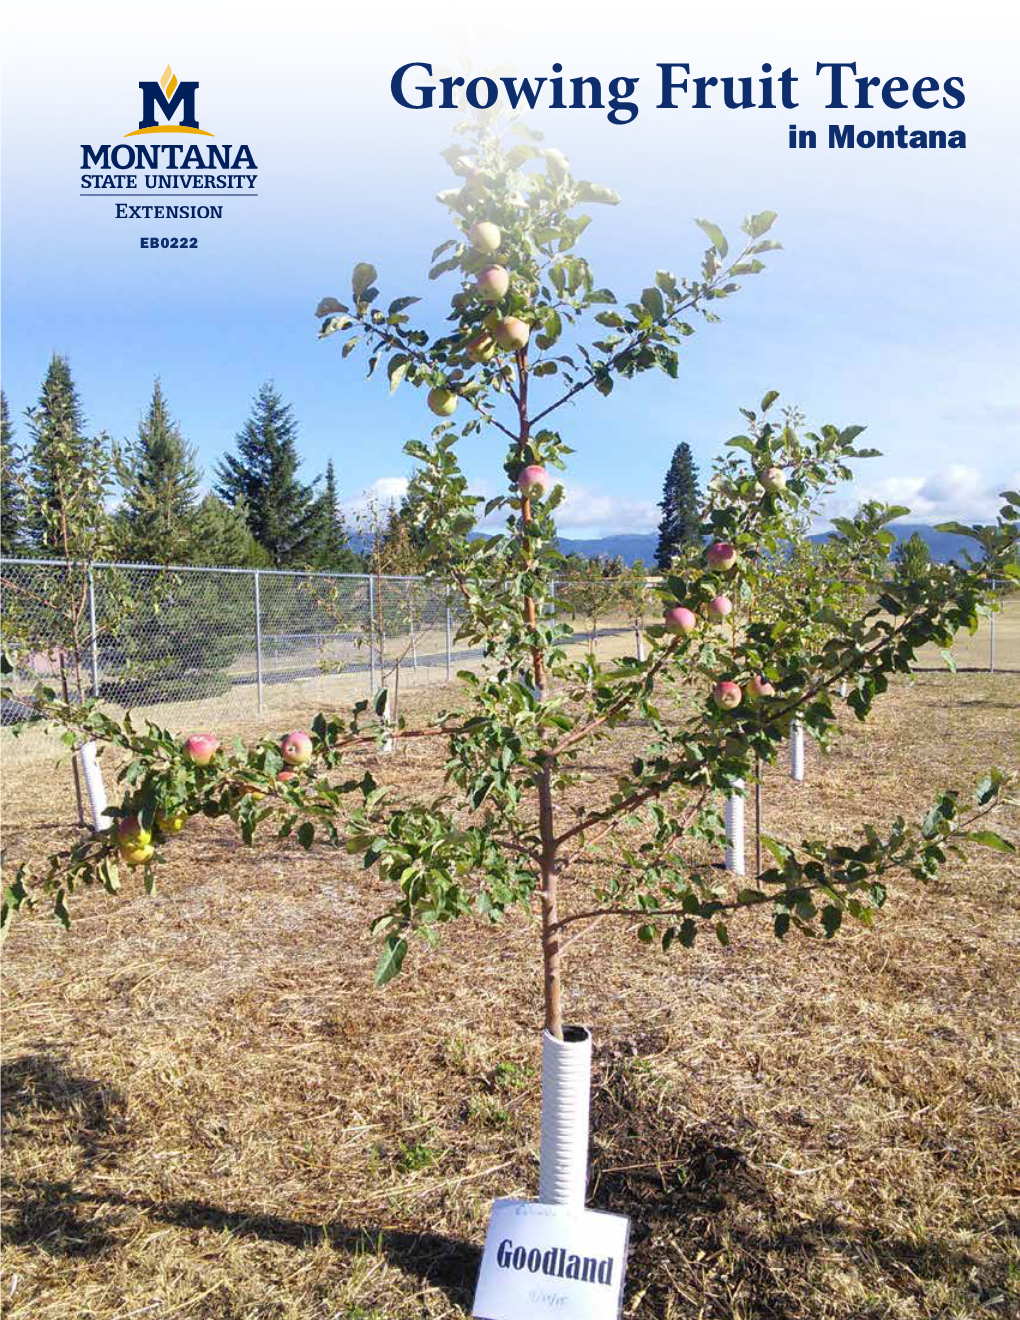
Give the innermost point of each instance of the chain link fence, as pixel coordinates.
(193, 647)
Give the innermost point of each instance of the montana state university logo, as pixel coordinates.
(167, 95)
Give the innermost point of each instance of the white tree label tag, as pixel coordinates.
(551, 1260)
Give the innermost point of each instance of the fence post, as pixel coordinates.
(371, 635)
(449, 636)
(92, 638)
(991, 641)
(258, 640)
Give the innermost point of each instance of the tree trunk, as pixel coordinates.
(65, 688)
(550, 936)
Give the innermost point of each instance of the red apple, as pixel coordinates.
(285, 776)
(134, 843)
(492, 283)
(534, 480)
(442, 402)
(721, 556)
(756, 688)
(679, 619)
(718, 608)
(773, 479)
(512, 332)
(485, 237)
(726, 695)
(201, 748)
(296, 747)
(130, 831)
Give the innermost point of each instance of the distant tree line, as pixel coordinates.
(149, 504)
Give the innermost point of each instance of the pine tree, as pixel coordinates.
(59, 463)
(222, 537)
(283, 515)
(160, 477)
(680, 505)
(12, 498)
(334, 553)
(912, 559)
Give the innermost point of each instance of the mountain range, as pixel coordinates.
(631, 546)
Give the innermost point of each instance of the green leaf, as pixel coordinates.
(361, 280)
(651, 300)
(761, 223)
(306, 834)
(396, 369)
(989, 839)
(769, 400)
(391, 960)
(716, 235)
(597, 192)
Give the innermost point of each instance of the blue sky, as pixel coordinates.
(892, 305)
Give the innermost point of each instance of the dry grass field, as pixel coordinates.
(210, 1115)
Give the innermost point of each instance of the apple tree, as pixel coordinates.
(529, 330)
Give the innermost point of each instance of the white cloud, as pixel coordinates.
(383, 492)
(587, 512)
(957, 492)
(583, 513)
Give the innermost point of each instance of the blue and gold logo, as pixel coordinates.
(167, 95)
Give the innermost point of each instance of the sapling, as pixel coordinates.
(518, 812)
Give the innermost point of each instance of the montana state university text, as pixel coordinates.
(207, 167)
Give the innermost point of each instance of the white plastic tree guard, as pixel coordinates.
(797, 753)
(95, 787)
(640, 646)
(734, 815)
(566, 1101)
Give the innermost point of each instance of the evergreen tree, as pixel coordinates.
(12, 498)
(334, 552)
(160, 477)
(283, 515)
(221, 537)
(680, 505)
(912, 558)
(59, 463)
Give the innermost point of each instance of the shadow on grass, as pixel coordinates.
(49, 1215)
(709, 1227)
(40, 1090)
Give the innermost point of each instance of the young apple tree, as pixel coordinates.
(530, 330)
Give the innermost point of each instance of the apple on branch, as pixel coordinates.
(512, 333)
(296, 747)
(726, 695)
(679, 620)
(721, 556)
(534, 480)
(442, 401)
(133, 842)
(773, 479)
(201, 748)
(485, 237)
(492, 283)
